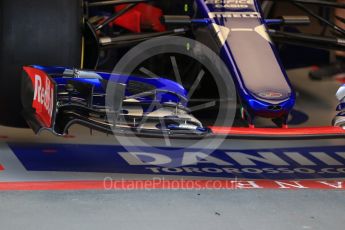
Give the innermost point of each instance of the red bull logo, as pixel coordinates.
(43, 100)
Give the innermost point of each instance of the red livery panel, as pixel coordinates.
(44, 92)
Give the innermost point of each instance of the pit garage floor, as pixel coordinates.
(69, 183)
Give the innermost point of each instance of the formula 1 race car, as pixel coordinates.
(55, 98)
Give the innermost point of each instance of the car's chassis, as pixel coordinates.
(160, 106)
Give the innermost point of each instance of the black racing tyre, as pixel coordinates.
(42, 32)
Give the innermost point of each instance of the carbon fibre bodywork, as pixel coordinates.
(251, 56)
(55, 98)
(243, 42)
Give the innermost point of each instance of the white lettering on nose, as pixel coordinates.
(38, 86)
